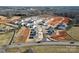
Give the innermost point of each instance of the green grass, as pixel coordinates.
(74, 32)
(5, 38)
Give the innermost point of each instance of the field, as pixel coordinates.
(5, 38)
(74, 32)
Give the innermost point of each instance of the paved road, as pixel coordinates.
(43, 44)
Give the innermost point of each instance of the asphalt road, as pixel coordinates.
(44, 43)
